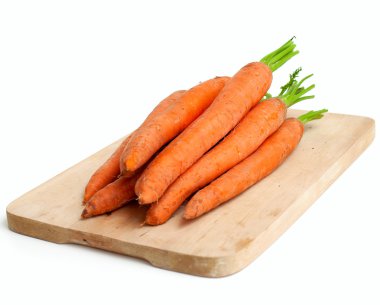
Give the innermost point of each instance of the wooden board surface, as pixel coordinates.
(219, 243)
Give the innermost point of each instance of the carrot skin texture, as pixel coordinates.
(111, 197)
(152, 136)
(106, 173)
(245, 89)
(253, 129)
(260, 164)
(157, 111)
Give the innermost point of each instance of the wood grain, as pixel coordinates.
(219, 243)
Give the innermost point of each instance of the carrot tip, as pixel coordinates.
(187, 217)
(153, 220)
(85, 214)
(143, 199)
(189, 214)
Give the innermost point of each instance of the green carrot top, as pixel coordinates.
(277, 58)
(312, 115)
(292, 92)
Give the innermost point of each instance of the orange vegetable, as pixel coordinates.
(151, 136)
(260, 164)
(150, 121)
(110, 170)
(247, 136)
(111, 197)
(106, 173)
(245, 89)
(256, 126)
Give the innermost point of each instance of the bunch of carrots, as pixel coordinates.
(208, 143)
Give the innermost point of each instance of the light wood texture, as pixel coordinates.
(219, 243)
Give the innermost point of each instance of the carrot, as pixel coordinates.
(150, 137)
(106, 173)
(245, 89)
(111, 197)
(260, 164)
(110, 170)
(114, 195)
(252, 130)
(161, 108)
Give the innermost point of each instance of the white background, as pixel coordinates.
(77, 75)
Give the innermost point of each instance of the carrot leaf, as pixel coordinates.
(292, 92)
(277, 58)
(292, 79)
(312, 115)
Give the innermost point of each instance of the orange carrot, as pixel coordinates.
(255, 127)
(245, 89)
(252, 130)
(110, 170)
(260, 164)
(150, 137)
(161, 108)
(106, 173)
(111, 197)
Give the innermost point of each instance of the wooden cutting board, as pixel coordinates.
(219, 243)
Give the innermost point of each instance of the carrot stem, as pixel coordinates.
(312, 115)
(283, 47)
(277, 58)
(268, 96)
(292, 92)
(292, 79)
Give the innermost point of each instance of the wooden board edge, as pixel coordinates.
(172, 261)
(164, 259)
(36, 229)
